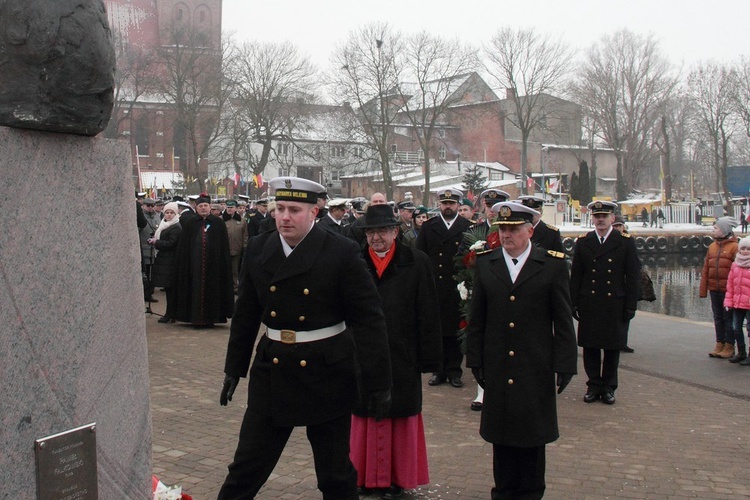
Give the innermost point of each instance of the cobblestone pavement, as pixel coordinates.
(666, 437)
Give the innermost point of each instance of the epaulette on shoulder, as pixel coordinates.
(253, 214)
(550, 226)
(557, 255)
(581, 236)
(626, 235)
(483, 252)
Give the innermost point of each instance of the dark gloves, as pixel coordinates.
(575, 314)
(563, 379)
(379, 404)
(478, 376)
(230, 384)
(629, 314)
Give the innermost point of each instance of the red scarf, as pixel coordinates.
(381, 263)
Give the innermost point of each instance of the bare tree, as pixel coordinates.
(741, 97)
(711, 87)
(531, 66)
(193, 82)
(366, 72)
(273, 83)
(439, 74)
(623, 84)
(134, 78)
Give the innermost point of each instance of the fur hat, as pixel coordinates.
(744, 242)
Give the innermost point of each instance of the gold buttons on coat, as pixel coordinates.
(303, 363)
(609, 260)
(440, 254)
(510, 381)
(273, 314)
(276, 361)
(592, 292)
(512, 298)
(306, 291)
(609, 295)
(511, 353)
(512, 325)
(302, 318)
(273, 288)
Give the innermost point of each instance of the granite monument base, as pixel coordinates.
(73, 330)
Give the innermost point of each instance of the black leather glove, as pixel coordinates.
(379, 404)
(575, 314)
(563, 379)
(230, 384)
(478, 376)
(629, 314)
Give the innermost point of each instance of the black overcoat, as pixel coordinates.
(323, 282)
(604, 284)
(521, 334)
(165, 264)
(441, 246)
(329, 225)
(547, 237)
(407, 290)
(205, 288)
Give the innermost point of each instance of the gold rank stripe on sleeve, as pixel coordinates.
(550, 226)
(626, 235)
(558, 255)
(483, 252)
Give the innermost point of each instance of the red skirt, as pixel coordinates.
(392, 451)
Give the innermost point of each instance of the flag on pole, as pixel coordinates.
(529, 183)
(237, 178)
(553, 185)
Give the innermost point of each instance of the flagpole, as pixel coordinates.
(138, 167)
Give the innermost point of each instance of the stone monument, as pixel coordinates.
(71, 301)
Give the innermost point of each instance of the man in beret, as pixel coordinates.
(324, 343)
(204, 269)
(440, 238)
(238, 233)
(545, 235)
(466, 209)
(520, 344)
(604, 281)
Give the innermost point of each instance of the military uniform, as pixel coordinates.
(604, 290)
(441, 244)
(322, 288)
(547, 237)
(520, 336)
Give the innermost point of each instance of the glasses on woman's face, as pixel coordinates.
(380, 231)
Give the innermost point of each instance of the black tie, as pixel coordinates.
(515, 261)
(602, 238)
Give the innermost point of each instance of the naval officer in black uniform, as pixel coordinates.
(545, 235)
(604, 282)
(322, 326)
(521, 343)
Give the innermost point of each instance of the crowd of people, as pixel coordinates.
(342, 306)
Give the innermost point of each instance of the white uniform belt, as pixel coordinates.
(295, 337)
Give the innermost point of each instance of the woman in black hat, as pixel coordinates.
(407, 288)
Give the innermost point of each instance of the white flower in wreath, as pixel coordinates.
(479, 245)
(463, 291)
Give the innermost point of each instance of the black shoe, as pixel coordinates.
(476, 406)
(627, 349)
(608, 398)
(590, 396)
(164, 319)
(393, 492)
(436, 379)
(456, 382)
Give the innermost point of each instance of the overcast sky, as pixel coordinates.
(688, 30)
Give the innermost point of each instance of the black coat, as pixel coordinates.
(441, 245)
(604, 284)
(205, 287)
(323, 281)
(165, 265)
(547, 237)
(254, 220)
(329, 225)
(521, 334)
(407, 290)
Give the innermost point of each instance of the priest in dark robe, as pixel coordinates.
(205, 294)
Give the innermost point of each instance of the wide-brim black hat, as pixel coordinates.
(380, 216)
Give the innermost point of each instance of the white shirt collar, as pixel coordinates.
(287, 247)
(515, 269)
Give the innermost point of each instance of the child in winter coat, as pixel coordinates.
(716, 266)
(738, 297)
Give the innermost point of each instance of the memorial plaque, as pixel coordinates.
(66, 465)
